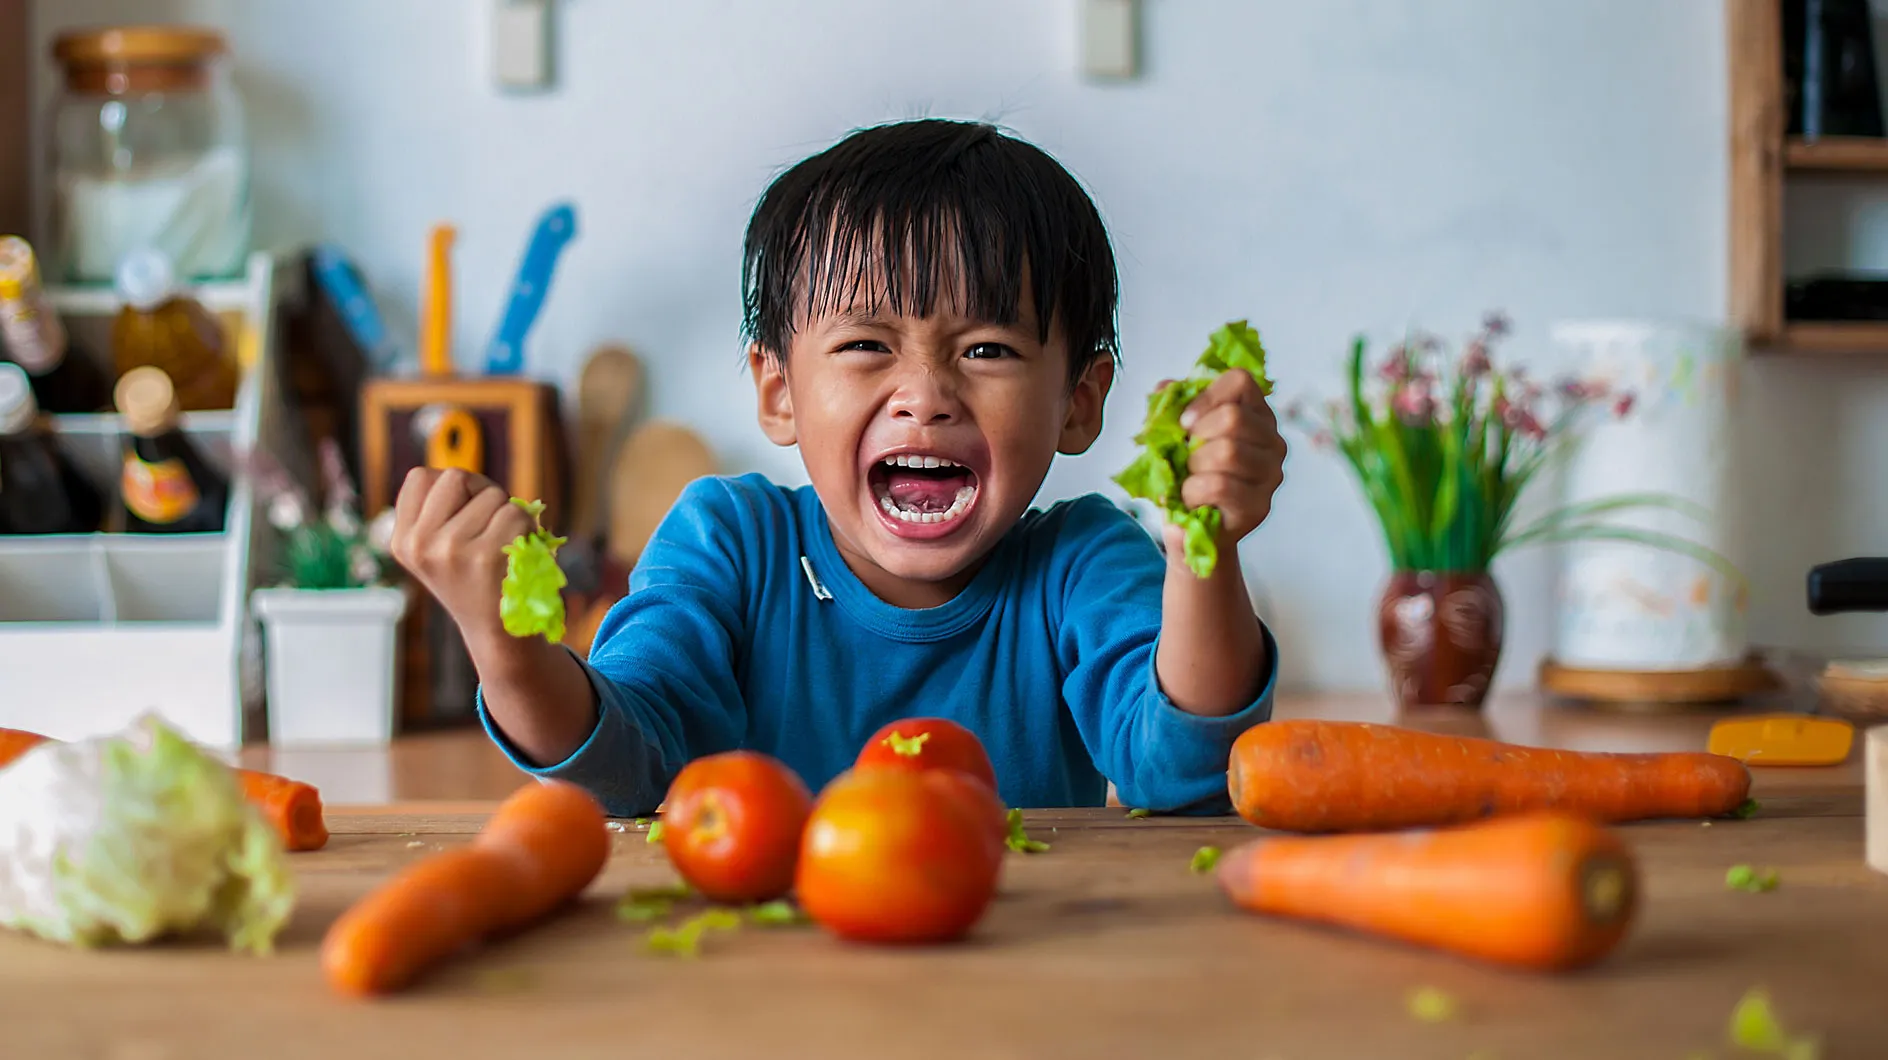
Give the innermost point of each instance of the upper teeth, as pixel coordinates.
(910, 460)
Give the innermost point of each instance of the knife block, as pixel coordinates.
(521, 447)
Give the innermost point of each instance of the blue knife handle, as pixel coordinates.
(505, 356)
(342, 283)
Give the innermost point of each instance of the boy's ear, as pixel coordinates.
(775, 403)
(1083, 424)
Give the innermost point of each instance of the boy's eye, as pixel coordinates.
(868, 345)
(989, 351)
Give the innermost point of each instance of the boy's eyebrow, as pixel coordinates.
(859, 318)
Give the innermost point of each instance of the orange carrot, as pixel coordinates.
(1336, 776)
(292, 807)
(16, 742)
(540, 850)
(1549, 892)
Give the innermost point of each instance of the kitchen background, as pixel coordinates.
(1321, 168)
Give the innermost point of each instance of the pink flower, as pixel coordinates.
(1396, 366)
(1623, 405)
(1475, 362)
(1413, 402)
(1531, 427)
(1323, 440)
(1496, 324)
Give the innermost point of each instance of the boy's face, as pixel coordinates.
(925, 438)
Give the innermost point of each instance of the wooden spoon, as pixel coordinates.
(608, 390)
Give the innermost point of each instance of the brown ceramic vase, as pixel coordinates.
(1441, 635)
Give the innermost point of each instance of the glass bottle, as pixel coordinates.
(40, 491)
(168, 486)
(64, 377)
(161, 326)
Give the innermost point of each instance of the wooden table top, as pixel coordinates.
(461, 764)
(1106, 945)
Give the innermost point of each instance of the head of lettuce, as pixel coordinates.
(134, 837)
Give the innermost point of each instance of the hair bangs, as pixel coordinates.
(918, 217)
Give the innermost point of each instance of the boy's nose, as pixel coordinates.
(927, 398)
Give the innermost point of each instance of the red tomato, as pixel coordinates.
(928, 743)
(900, 856)
(732, 825)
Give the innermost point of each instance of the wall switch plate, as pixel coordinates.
(521, 44)
(1110, 33)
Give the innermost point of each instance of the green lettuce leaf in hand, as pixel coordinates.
(531, 599)
(126, 839)
(1161, 468)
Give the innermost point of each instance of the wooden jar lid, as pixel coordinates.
(147, 401)
(117, 59)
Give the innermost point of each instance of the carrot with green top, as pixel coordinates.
(1334, 776)
(545, 844)
(1548, 892)
(292, 807)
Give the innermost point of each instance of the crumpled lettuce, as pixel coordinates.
(128, 838)
(531, 600)
(1157, 474)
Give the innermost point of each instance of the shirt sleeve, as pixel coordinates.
(1158, 756)
(663, 663)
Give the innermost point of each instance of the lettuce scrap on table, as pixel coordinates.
(531, 599)
(1158, 473)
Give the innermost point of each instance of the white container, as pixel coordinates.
(329, 658)
(1627, 606)
(96, 629)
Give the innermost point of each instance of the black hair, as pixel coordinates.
(868, 222)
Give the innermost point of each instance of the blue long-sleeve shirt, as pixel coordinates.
(743, 627)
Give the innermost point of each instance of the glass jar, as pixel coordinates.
(147, 150)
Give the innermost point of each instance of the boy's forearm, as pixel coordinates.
(1211, 657)
(537, 693)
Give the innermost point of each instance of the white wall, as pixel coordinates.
(1319, 167)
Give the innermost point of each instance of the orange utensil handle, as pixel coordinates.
(436, 313)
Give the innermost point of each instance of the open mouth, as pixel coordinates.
(922, 491)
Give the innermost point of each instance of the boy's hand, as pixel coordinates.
(450, 529)
(1238, 460)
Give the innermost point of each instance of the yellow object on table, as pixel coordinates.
(1783, 740)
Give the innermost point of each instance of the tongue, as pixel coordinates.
(925, 492)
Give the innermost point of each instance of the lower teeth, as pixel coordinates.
(959, 505)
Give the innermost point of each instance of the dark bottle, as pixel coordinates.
(1830, 85)
(168, 486)
(65, 378)
(40, 491)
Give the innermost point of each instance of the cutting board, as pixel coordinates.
(655, 465)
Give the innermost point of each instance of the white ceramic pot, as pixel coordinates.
(1625, 606)
(330, 661)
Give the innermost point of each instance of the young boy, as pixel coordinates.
(931, 313)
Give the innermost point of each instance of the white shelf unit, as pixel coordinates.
(96, 629)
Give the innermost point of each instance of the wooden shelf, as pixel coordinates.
(1858, 337)
(1837, 154)
(1762, 159)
